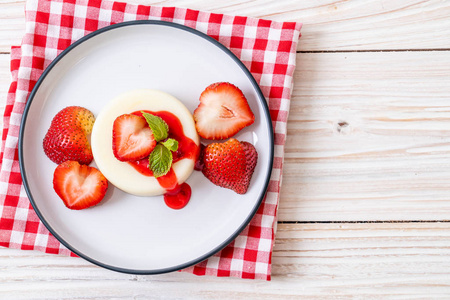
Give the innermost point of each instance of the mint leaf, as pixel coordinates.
(171, 144)
(160, 160)
(157, 125)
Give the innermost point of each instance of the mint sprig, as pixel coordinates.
(161, 158)
(157, 125)
(171, 144)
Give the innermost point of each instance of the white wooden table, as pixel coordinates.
(365, 203)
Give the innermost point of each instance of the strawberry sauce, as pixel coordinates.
(176, 196)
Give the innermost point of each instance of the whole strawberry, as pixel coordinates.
(67, 137)
(230, 164)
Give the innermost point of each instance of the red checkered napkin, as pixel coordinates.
(267, 49)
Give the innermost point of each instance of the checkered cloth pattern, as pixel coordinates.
(268, 50)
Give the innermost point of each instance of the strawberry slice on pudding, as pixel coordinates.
(132, 138)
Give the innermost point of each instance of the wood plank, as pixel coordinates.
(368, 138)
(12, 24)
(388, 160)
(5, 80)
(322, 261)
(328, 25)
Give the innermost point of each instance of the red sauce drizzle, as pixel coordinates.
(179, 197)
(176, 196)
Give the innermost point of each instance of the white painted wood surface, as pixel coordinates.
(369, 137)
(368, 140)
(329, 25)
(319, 261)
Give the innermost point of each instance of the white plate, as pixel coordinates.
(141, 235)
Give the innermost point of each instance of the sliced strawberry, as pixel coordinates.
(132, 138)
(67, 137)
(230, 164)
(79, 186)
(223, 111)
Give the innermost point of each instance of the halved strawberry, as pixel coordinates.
(223, 111)
(79, 186)
(230, 164)
(67, 137)
(132, 138)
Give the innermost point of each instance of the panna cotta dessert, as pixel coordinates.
(115, 128)
(146, 143)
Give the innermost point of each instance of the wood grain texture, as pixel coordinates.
(323, 261)
(328, 25)
(368, 138)
(5, 80)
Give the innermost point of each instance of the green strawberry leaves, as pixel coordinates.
(161, 158)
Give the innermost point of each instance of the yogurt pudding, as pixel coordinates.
(135, 177)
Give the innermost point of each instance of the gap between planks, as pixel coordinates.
(374, 50)
(343, 51)
(363, 222)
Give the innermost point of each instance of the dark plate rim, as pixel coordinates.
(209, 253)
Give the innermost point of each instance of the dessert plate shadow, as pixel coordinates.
(126, 233)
